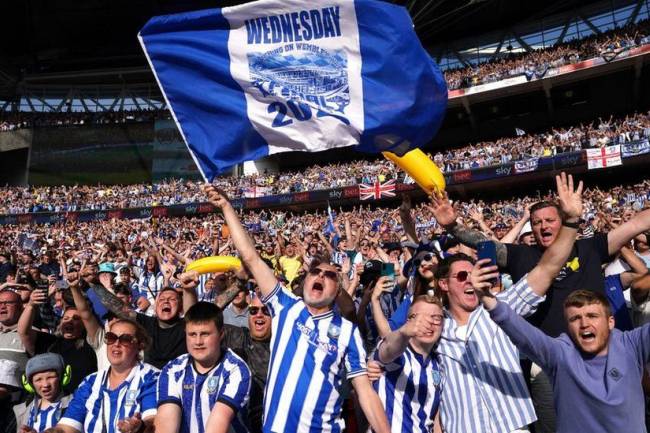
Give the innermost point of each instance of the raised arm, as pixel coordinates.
(446, 216)
(25, 331)
(263, 275)
(512, 236)
(555, 256)
(85, 311)
(383, 328)
(407, 219)
(395, 343)
(624, 233)
(532, 342)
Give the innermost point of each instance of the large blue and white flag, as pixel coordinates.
(295, 75)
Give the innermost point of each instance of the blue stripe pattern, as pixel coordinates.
(229, 382)
(410, 390)
(310, 358)
(97, 409)
(484, 387)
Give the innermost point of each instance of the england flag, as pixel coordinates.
(293, 75)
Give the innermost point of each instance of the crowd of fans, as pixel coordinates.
(600, 133)
(93, 296)
(10, 121)
(537, 62)
(508, 64)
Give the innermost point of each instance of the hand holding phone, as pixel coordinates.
(487, 250)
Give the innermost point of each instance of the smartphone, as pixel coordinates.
(488, 250)
(388, 270)
(61, 285)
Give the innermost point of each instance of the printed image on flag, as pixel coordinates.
(604, 157)
(377, 190)
(274, 76)
(635, 148)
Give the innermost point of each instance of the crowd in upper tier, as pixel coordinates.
(600, 133)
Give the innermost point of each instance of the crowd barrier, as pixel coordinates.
(348, 194)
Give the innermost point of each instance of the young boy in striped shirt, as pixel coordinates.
(410, 388)
(207, 389)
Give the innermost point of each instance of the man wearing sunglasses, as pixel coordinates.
(310, 344)
(481, 364)
(253, 344)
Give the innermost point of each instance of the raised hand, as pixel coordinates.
(37, 297)
(442, 210)
(189, 280)
(216, 196)
(570, 199)
(418, 325)
(482, 277)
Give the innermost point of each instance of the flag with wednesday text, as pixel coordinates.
(275, 76)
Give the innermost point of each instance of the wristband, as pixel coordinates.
(572, 225)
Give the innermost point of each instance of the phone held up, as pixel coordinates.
(487, 250)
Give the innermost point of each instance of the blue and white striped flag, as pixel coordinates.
(294, 75)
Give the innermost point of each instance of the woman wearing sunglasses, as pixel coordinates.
(420, 271)
(121, 398)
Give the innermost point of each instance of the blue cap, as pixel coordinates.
(107, 267)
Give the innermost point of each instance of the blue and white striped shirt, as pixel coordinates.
(95, 408)
(306, 368)
(229, 382)
(201, 293)
(42, 419)
(485, 390)
(410, 391)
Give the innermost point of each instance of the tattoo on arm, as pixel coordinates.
(471, 238)
(113, 303)
(226, 297)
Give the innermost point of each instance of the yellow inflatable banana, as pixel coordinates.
(214, 264)
(420, 167)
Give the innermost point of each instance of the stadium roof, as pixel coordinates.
(58, 41)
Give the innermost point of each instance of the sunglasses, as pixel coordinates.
(111, 338)
(462, 276)
(327, 274)
(426, 258)
(254, 310)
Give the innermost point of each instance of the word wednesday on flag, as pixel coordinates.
(274, 76)
(295, 26)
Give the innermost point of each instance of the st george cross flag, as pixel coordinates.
(377, 190)
(604, 157)
(274, 76)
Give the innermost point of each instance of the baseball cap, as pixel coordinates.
(107, 267)
(9, 373)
